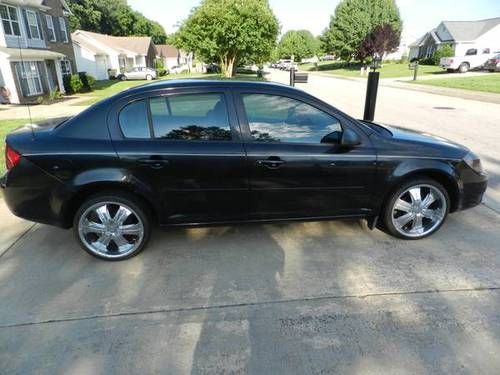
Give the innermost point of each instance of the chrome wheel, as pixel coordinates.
(419, 210)
(111, 229)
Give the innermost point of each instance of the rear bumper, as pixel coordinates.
(29, 194)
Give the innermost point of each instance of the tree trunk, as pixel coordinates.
(227, 66)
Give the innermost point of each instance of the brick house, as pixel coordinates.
(36, 50)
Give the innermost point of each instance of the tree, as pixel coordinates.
(383, 39)
(299, 44)
(229, 31)
(354, 20)
(113, 17)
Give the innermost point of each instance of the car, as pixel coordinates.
(178, 69)
(493, 64)
(473, 59)
(212, 152)
(138, 73)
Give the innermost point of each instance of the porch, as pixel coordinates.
(28, 73)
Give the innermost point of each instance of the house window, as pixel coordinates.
(64, 32)
(9, 20)
(50, 28)
(29, 76)
(65, 68)
(33, 24)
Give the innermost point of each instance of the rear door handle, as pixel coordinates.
(153, 163)
(270, 163)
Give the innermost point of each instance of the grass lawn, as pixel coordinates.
(6, 126)
(394, 70)
(487, 83)
(103, 89)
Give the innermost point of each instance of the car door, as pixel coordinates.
(185, 146)
(297, 166)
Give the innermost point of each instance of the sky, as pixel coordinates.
(419, 16)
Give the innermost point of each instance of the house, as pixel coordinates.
(403, 49)
(35, 49)
(172, 56)
(482, 35)
(103, 56)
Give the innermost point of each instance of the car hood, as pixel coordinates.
(423, 138)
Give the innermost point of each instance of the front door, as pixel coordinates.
(187, 148)
(297, 166)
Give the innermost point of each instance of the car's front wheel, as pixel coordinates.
(417, 209)
(112, 226)
(149, 77)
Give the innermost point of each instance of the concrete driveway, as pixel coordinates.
(296, 298)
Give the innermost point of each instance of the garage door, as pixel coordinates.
(101, 68)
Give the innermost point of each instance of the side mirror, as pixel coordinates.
(350, 138)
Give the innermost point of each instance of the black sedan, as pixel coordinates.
(210, 152)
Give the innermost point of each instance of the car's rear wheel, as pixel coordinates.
(464, 67)
(417, 209)
(123, 77)
(112, 226)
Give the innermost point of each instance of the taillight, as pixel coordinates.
(12, 157)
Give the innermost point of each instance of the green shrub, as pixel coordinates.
(52, 97)
(72, 84)
(160, 72)
(91, 81)
(443, 51)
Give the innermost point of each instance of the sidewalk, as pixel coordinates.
(13, 227)
(67, 107)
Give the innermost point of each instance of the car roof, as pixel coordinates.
(194, 83)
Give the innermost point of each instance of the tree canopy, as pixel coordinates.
(113, 17)
(229, 32)
(354, 20)
(299, 44)
(383, 39)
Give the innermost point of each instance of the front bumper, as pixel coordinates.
(473, 185)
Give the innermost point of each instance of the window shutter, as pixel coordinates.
(57, 29)
(40, 28)
(24, 84)
(26, 26)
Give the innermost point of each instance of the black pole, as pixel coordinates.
(371, 96)
(292, 76)
(415, 72)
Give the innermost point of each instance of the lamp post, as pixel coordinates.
(372, 89)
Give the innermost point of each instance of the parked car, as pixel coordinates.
(473, 59)
(493, 64)
(213, 68)
(178, 69)
(210, 152)
(138, 73)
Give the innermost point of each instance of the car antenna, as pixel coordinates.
(27, 103)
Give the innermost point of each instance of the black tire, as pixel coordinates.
(387, 221)
(123, 77)
(464, 67)
(149, 77)
(135, 205)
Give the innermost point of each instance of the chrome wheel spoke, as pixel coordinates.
(428, 200)
(402, 205)
(132, 229)
(431, 214)
(92, 227)
(121, 215)
(415, 194)
(417, 225)
(104, 240)
(103, 214)
(401, 221)
(120, 241)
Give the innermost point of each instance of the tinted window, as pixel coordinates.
(279, 119)
(486, 50)
(134, 120)
(191, 117)
(471, 52)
